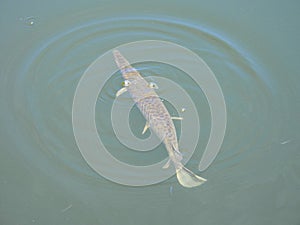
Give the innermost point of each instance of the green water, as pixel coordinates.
(253, 50)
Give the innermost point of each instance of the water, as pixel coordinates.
(251, 47)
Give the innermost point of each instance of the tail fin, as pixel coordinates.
(187, 178)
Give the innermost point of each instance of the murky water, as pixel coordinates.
(253, 50)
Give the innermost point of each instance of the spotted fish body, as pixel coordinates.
(157, 117)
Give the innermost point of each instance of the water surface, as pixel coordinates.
(252, 49)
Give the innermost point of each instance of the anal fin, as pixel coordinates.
(167, 165)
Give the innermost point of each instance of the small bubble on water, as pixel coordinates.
(29, 21)
(285, 142)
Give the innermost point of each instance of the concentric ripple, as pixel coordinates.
(45, 84)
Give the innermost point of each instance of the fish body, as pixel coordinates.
(158, 119)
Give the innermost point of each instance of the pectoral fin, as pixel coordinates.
(176, 118)
(146, 127)
(121, 91)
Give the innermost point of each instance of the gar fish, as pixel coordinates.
(157, 118)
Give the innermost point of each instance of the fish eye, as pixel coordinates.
(153, 85)
(125, 83)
